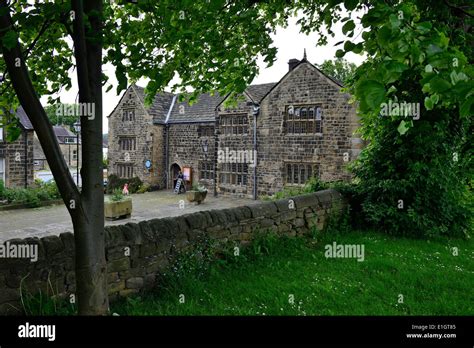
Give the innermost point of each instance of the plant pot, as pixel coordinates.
(196, 196)
(118, 210)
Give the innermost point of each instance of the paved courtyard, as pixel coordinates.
(50, 220)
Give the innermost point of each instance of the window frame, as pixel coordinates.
(127, 143)
(234, 174)
(303, 119)
(299, 172)
(206, 168)
(124, 170)
(234, 125)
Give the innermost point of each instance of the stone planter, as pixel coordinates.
(118, 210)
(196, 196)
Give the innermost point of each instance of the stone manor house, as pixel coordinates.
(278, 134)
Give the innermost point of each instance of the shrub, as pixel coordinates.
(314, 184)
(411, 185)
(114, 182)
(117, 195)
(2, 189)
(32, 196)
(144, 188)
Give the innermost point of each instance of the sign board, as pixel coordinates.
(187, 173)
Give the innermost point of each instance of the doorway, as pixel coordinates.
(174, 171)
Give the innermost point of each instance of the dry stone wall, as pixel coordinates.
(138, 252)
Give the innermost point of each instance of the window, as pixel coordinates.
(299, 173)
(2, 169)
(74, 155)
(234, 125)
(234, 174)
(1, 134)
(128, 144)
(206, 170)
(125, 171)
(303, 120)
(70, 140)
(128, 115)
(205, 131)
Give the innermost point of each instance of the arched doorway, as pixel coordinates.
(174, 171)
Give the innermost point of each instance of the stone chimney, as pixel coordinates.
(292, 63)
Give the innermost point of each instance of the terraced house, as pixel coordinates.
(278, 134)
(16, 158)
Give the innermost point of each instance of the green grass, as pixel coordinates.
(261, 280)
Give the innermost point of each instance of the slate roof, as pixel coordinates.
(24, 120)
(61, 131)
(161, 104)
(257, 92)
(202, 110)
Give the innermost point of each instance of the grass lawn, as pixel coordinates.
(268, 275)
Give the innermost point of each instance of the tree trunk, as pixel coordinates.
(91, 267)
(87, 208)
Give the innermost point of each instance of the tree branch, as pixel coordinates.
(458, 9)
(80, 49)
(34, 42)
(20, 79)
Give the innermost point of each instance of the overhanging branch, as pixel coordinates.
(20, 79)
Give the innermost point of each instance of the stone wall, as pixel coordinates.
(232, 142)
(143, 131)
(185, 150)
(19, 156)
(137, 253)
(305, 86)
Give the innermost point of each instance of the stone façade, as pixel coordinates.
(173, 135)
(16, 157)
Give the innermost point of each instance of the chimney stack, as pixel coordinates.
(292, 63)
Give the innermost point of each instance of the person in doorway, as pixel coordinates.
(125, 189)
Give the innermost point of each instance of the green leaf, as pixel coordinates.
(428, 103)
(466, 106)
(348, 46)
(340, 53)
(13, 133)
(435, 98)
(438, 85)
(394, 21)
(433, 49)
(349, 26)
(351, 4)
(10, 39)
(371, 92)
(403, 127)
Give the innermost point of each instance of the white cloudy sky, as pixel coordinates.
(289, 41)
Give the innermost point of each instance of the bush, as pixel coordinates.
(117, 195)
(412, 186)
(114, 182)
(2, 189)
(31, 196)
(144, 188)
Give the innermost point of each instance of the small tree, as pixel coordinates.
(339, 69)
(211, 45)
